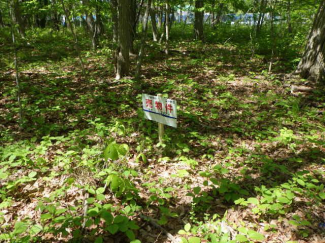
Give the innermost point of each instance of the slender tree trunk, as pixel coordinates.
(138, 14)
(212, 18)
(289, 16)
(255, 3)
(312, 63)
(212, 15)
(16, 17)
(41, 17)
(124, 36)
(180, 16)
(94, 37)
(261, 16)
(212, 11)
(219, 13)
(133, 23)
(272, 35)
(11, 13)
(198, 21)
(55, 17)
(99, 20)
(76, 43)
(1, 20)
(160, 17)
(153, 23)
(114, 9)
(143, 40)
(90, 24)
(167, 27)
(172, 19)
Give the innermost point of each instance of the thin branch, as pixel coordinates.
(152, 221)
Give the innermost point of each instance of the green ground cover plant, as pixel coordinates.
(246, 163)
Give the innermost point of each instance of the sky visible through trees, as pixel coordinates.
(79, 161)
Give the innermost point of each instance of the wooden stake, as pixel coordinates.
(160, 127)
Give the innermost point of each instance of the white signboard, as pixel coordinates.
(160, 109)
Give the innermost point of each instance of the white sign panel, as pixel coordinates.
(160, 109)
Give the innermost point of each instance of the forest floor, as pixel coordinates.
(246, 163)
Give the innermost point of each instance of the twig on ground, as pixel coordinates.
(152, 221)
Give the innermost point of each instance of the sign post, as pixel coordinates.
(161, 110)
(161, 128)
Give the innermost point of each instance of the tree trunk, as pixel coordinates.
(55, 16)
(133, 23)
(114, 9)
(312, 63)
(1, 20)
(124, 36)
(167, 27)
(160, 17)
(261, 16)
(172, 19)
(198, 21)
(11, 8)
(153, 23)
(219, 14)
(273, 34)
(91, 24)
(143, 40)
(289, 16)
(180, 16)
(17, 17)
(99, 20)
(41, 17)
(212, 12)
(76, 43)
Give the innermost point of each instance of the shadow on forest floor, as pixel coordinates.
(238, 124)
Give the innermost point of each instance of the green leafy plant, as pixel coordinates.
(247, 234)
(229, 190)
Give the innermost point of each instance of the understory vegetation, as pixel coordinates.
(246, 163)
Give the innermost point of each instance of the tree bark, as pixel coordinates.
(180, 16)
(133, 23)
(114, 9)
(55, 16)
(11, 8)
(143, 40)
(1, 20)
(289, 16)
(167, 27)
(17, 17)
(273, 34)
(261, 16)
(160, 17)
(153, 23)
(312, 64)
(124, 36)
(76, 43)
(198, 21)
(91, 24)
(172, 18)
(212, 16)
(41, 17)
(99, 19)
(219, 14)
